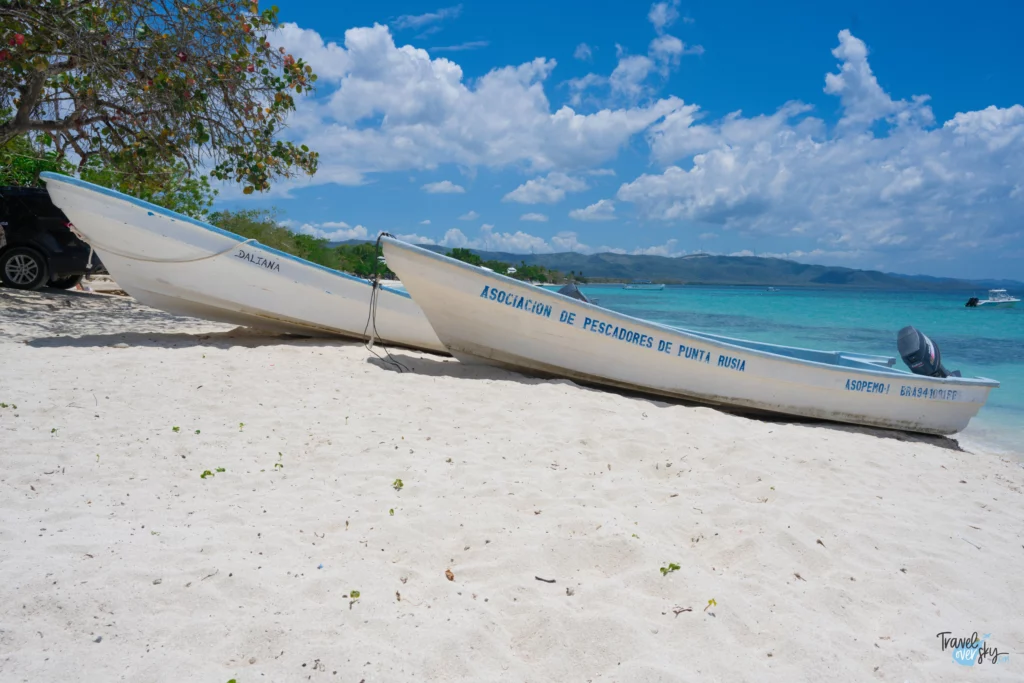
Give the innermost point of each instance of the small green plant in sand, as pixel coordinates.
(241, 426)
(53, 431)
(397, 484)
(672, 567)
(278, 465)
(8, 405)
(354, 595)
(205, 474)
(221, 469)
(197, 431)
(175, 429)
(391, 512)
(635, 536)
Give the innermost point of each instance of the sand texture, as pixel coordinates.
(831, 553)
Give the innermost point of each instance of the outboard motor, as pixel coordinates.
(572, 290)
(921, 354)
(972, 302)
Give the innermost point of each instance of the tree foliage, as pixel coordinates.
(143, 85)
(263, 226)
(21, 162)
(527, 273)
(168, 185)
(171, 186)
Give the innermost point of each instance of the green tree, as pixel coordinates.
(21, 162)
(361, 259)
(262, 226)
(140, 85)
(170, 186)
(523, 271)
(265, 228)
(466, 256)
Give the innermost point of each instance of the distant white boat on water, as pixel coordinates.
(485, 317)
(643, 284)
(188, 267)
(997, 298)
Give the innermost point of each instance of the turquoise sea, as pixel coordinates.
(978, 342)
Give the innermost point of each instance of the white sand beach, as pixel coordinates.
(830, 553)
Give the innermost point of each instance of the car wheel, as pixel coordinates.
(66, 282)
(23, 268)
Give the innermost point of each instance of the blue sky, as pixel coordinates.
(873, 135)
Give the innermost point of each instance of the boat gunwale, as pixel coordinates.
(875, 372)
(174, 215)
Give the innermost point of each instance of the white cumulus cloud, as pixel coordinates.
(335, 231)
(631, 80)
(630, 75)
(886, 179)
(413, 238)
(381, 107)
(519, 242)
(469, 216)
(549, 189)
(444, 187)
(603, 210)
(668, 249)
(535, 217)
(663, 14)
(583, 52)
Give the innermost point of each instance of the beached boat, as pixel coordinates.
(644, 284)
(997, 298)
(485, 317)
(187, 267)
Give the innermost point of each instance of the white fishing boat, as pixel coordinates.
(644, 284)
(997, 298)
(188, 267)
(485, 317)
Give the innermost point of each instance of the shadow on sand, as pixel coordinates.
(241, 336)
(49, 318)
(69, 319)
(438, 366)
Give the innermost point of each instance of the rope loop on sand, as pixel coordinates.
(370, 330)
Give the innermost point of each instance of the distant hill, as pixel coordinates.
(985, 284)
(707, 269)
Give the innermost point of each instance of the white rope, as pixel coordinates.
(133, 257)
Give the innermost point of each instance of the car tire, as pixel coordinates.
(66, 282)
(23, 268)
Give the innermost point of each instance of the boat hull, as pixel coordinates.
(486, 317)
(186, 267)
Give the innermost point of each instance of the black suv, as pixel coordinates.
(37, 246)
